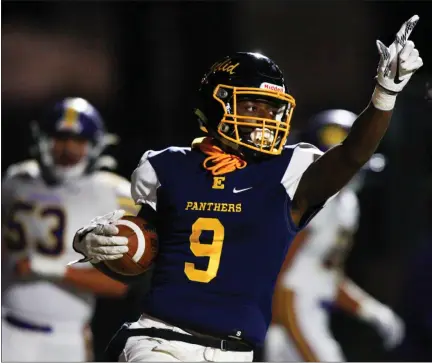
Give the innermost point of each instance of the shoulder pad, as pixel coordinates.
(149, 154)
(302, 145)
(28, 169)
(305, 147)
(114, 180)
(109, 178)
(172, 149)
(121, 188)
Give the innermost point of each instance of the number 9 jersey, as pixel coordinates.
(222, 239)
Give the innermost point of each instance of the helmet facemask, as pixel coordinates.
(55, 172)
(60, 172)
(264, 135)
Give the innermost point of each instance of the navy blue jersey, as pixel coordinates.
(222, 239)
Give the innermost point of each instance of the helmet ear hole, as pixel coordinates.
(225, 128)
(221, 93)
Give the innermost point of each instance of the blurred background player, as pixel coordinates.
(312, 280)
(46, 306)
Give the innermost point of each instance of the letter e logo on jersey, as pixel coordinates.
(217, 182)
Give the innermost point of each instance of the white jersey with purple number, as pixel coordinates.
(42, 220)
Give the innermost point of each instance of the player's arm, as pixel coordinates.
(279, 305)
(350, 297)
(354, 300)
(330, 172)
(82, 278)
(292, 252)
(93, 280)
(357, 302)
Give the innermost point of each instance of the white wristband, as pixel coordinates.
(48, 267)
(382, 100)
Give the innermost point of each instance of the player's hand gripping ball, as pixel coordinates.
(142, 244)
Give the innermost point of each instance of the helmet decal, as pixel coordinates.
(225, 66)
(272, 87)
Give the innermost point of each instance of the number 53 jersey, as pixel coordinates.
(39, 222)
(222, 239)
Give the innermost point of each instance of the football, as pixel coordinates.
(142, 243)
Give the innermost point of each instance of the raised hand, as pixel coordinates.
(400, 60)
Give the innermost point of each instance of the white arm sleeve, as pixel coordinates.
(303, 155)
(145, 183)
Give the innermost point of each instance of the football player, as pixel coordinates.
(312, 280)
(46, 305)
(227, 208)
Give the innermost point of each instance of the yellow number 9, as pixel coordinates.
(213, 250)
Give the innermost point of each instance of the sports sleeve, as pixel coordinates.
(145, 182)
(303, 155)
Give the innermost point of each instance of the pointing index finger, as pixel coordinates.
(406, 29)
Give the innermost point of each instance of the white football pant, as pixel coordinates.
(147, 349)
(66, 343)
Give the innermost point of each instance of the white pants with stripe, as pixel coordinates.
(66, 343)
(148, 349)
(308, 339)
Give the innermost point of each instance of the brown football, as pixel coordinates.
(142, 243)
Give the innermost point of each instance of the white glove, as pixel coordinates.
(385, 321)
(400, 60)
(397, 64)
(97, 241)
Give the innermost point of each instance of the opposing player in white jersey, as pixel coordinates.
(46, 305)
(312, 279)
